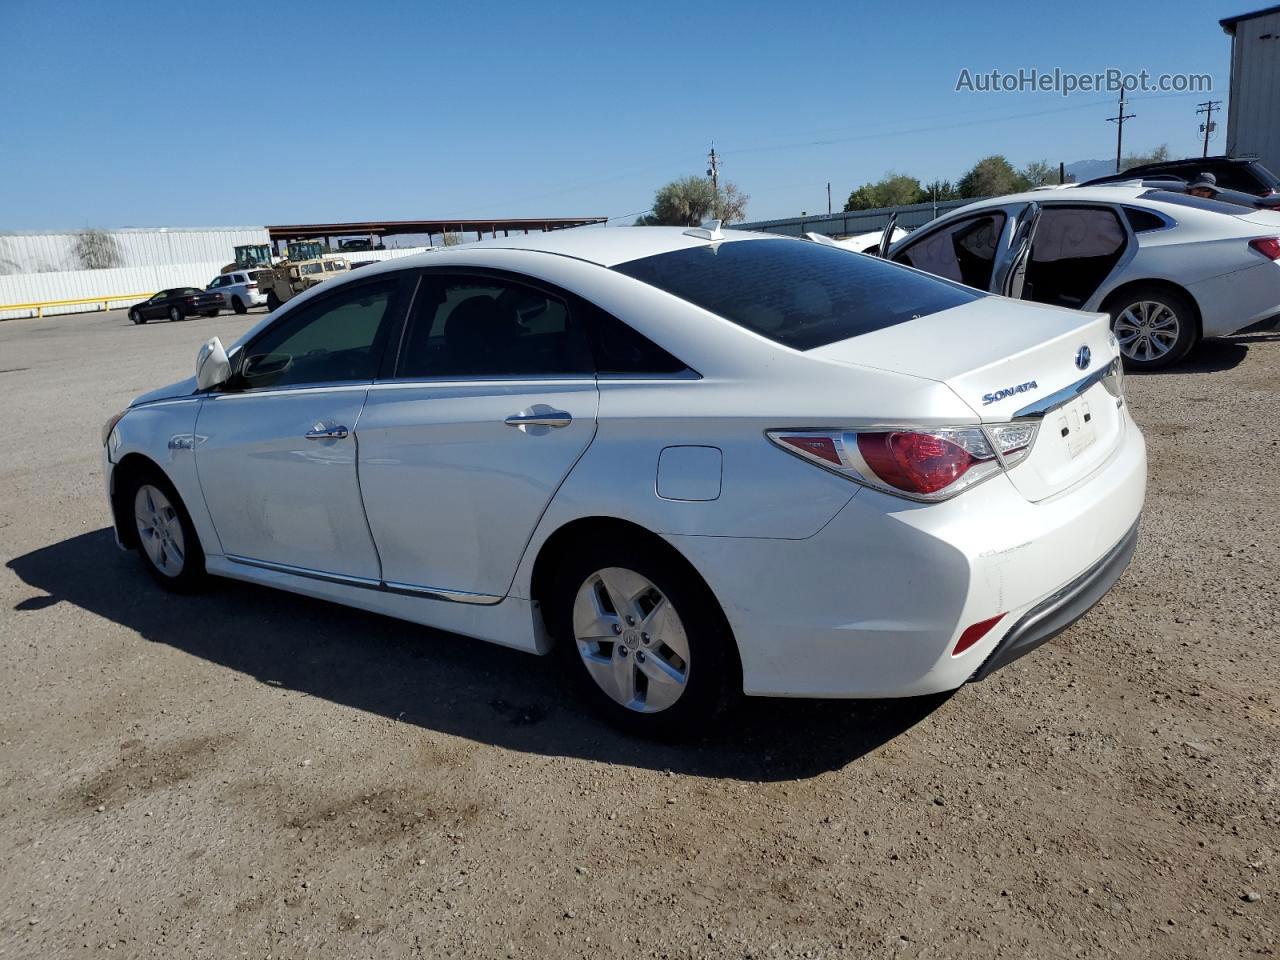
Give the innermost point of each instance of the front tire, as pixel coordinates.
(644, 639)
(167, 541)
(174, 314)
(1154, 325)
(137, 318)
(273, 301)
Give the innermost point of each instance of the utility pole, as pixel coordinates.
(1119, 120)
(828, 198)
(713, 171)
(1207, 109)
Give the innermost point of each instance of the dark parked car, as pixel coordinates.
(1245, 174)
(177, 304)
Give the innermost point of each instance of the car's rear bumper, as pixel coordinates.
(1237, 300)
(874, 603)
(1051, 616)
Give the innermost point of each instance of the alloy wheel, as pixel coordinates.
(631, 640)
(1146, 330)
(159, 530)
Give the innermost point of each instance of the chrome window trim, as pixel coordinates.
(405, 382)
(336, 386)
(369, 583)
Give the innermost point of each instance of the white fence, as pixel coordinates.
(58, 252)
(78, 284)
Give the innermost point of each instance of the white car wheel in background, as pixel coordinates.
(1154, 326)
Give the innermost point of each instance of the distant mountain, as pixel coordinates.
(1083, 170)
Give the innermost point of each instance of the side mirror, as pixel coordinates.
(212, 366)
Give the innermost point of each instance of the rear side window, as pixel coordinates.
(621, 349)
(1142, 220)
(800, 294)
(471, 326)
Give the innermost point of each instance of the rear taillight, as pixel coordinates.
(1269, 247)
(1113, 379)
(930, 465)
(251, 286)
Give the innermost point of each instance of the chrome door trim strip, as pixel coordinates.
(345, 579)
(1046, 405)
(433, 593)
(369, 583)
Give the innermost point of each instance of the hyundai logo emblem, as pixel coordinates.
(1083, 356)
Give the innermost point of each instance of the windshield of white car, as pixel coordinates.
(802, 295)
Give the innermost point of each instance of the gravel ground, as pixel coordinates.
(247, 773)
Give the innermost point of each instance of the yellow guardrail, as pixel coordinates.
(39, 306)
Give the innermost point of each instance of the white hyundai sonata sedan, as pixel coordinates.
(696, 463)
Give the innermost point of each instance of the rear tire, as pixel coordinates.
(167, 540)
(273, 302)
(136, 317)
(238, 305)
(643, 638)
(1154, 324)
(175, 315)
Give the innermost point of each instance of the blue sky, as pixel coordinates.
(137, 114)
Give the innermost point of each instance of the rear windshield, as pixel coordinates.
(800, 294)
(1187, 200)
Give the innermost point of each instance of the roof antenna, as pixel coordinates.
(709, 230)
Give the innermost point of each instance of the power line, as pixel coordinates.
(1119, 120)
(1207, 109)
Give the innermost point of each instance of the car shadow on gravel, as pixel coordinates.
(440, 681)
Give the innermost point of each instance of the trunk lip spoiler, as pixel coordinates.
(1060, 398)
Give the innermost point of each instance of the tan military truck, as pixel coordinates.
(304, 267)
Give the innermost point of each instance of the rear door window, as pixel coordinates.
(800, 294)
(964, 251)
(1075, 248)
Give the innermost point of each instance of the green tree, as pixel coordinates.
(991, 177)
(1040, 173)
(938, 191)
(693, 200)
(1156, 155)
(891, 190)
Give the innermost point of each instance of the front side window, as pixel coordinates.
(472, 326)
(964, 252)
(800, 294)
(332, 339)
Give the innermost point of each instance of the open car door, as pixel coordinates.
(1013, 282)
(886, 238)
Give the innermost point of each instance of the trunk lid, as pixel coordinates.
(1003, 356)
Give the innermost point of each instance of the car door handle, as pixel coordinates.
(331, 433)
(552, 418)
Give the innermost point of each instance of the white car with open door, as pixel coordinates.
(1168, 268)
(700, 463)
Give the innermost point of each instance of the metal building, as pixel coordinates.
(1253, 116)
